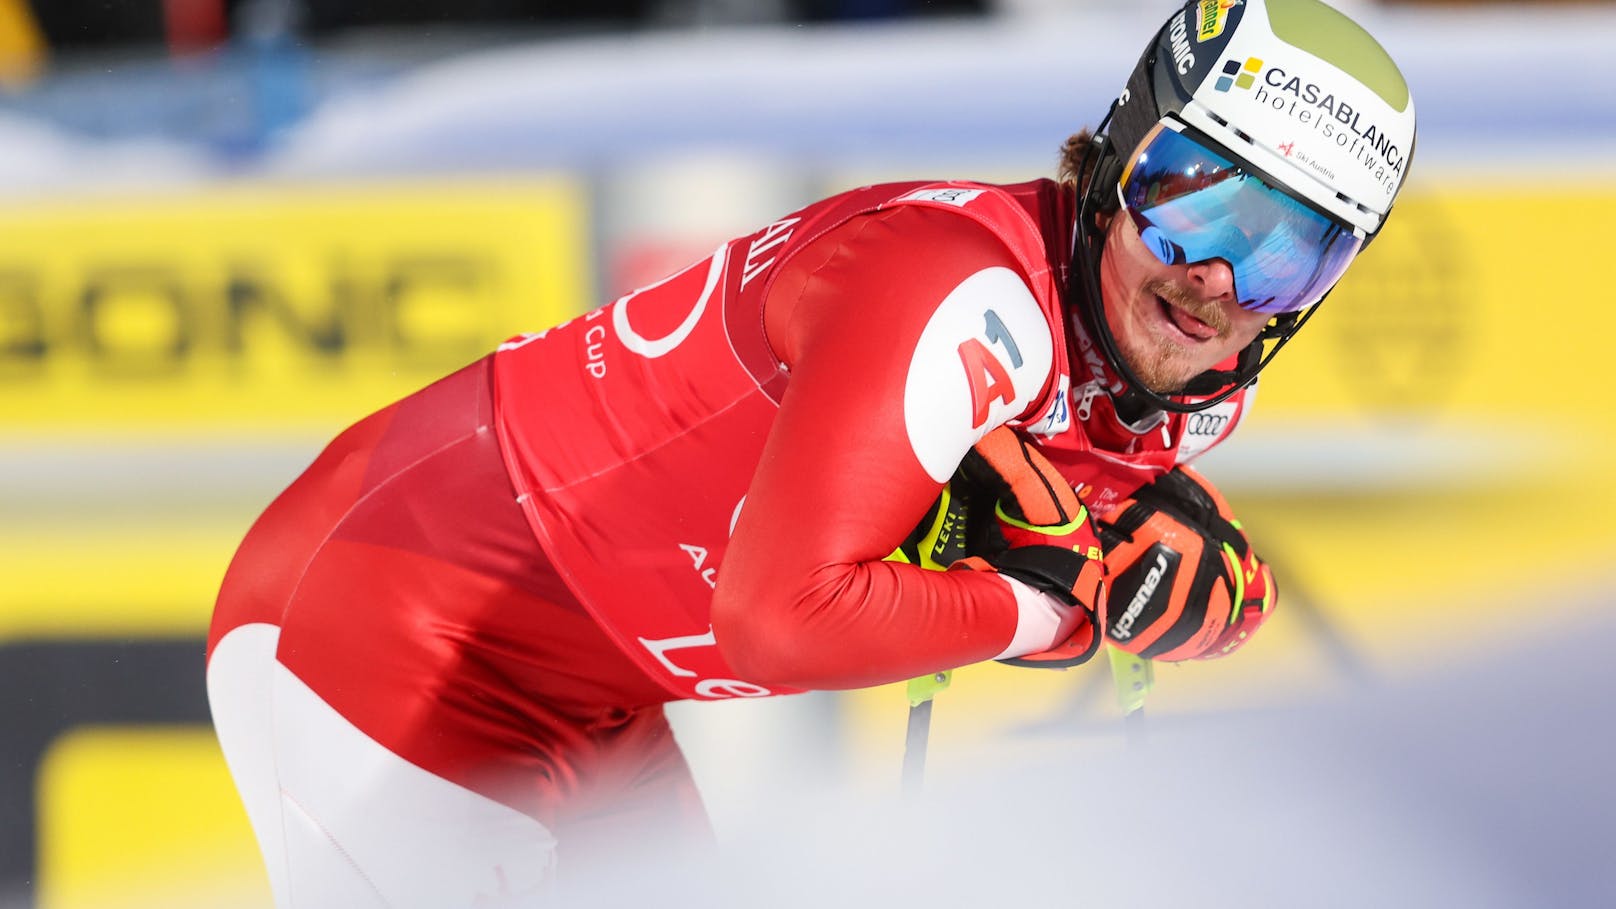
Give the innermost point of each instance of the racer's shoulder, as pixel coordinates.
(1010, 206)
(896, 233)
(981, 222)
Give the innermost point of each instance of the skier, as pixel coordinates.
(438, 660)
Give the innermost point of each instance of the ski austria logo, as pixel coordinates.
(1238, 75)
(1211, 19)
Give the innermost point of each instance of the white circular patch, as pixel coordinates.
(993, 313)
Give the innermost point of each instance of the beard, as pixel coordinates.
(1161, 371)
(1162, 362)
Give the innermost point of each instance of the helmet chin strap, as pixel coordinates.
(1134, 401)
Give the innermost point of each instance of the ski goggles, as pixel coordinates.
(1192, 203)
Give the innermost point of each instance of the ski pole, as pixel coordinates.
(1133, 676)
(921, 691)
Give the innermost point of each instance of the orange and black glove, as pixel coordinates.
(1184, 581)
(1027, 523)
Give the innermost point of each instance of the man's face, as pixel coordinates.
(1171, 322)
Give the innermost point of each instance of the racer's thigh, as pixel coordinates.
(406, 693)
(342, 820)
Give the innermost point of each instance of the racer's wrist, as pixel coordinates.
(1042, 619)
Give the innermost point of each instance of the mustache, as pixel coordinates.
(1183, 298)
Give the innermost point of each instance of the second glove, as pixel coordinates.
(1184, 581)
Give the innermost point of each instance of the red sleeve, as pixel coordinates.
(909, 334)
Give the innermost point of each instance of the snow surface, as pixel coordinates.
(1484, 783)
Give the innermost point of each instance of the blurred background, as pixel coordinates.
(228, 228)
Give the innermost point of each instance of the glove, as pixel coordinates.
(1184, 581)
(1038, 532)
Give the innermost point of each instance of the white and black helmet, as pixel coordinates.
(1298, 101)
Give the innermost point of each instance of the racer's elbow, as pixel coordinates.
(759, 630)
(753, 637)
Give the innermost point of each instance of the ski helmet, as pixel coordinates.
(1273, 134)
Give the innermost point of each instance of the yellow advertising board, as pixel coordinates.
(1457, 417)
(271, 306)
(142, 818)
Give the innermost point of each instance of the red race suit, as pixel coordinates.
(688, 493)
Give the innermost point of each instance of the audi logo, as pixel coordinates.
(1205, 424)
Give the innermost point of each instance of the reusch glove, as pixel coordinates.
(1184, 581)
(1039, 533)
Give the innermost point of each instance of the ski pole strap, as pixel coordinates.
(1133, 675)
(925, 687)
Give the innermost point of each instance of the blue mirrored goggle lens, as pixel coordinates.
(1192, 204)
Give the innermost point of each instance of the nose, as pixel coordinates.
(1213, 278)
